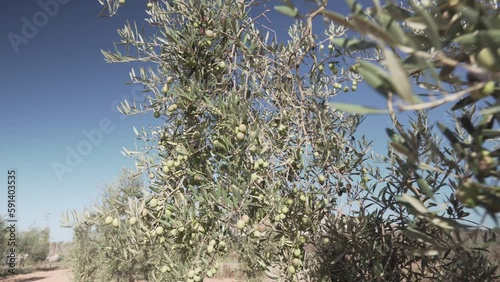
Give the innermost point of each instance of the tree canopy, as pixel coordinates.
(253, 158)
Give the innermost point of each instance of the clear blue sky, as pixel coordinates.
(56, 86)
(53, 89)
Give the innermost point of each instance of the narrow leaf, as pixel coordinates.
(490, 110)
(416, 234)
(353, 43)
(376, 77)
(492, 36)
(287, 11)
(451, 137)
(426, 252)
(396, 12)
(399, 78)
(400, 148)
(424, 186)
(357, 109)
(430, 22)
(412, 202)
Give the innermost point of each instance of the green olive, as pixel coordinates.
(159, 230)
(485, 91)
(242, 128)
(321, 179)
(132, 220)
(210, 33)
(108, 219)
(284, 209)
(245, 218)
(487, 58)
(172, 108)
(240, 136)
(325, 240)
(240, 224)
(153, 203)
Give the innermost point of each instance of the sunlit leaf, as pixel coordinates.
(426, 252)
(427, 167)
(479, 38)
(490, 110)
(424, 186)
(412, 202)
(443, 223)
(376, 77)
(287, 11)
(417, 234)
(416, 23)
(402, 149)
(357, 109)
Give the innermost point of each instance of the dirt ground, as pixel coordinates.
(59, 275)
(64, 275)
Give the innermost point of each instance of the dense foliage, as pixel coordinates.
(93, 245)
(35, 243)
(252, 155)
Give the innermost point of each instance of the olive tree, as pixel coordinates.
(35, 243)
(106, 252)
(449, 50)
(250, 153)
(434, 53)
(4, 240)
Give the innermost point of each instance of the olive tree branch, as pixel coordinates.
(447, 98)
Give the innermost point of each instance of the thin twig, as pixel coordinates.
(445, 99)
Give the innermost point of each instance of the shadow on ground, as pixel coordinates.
(36, 278)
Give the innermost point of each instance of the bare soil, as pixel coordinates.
(64, 275)
(59, 275)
